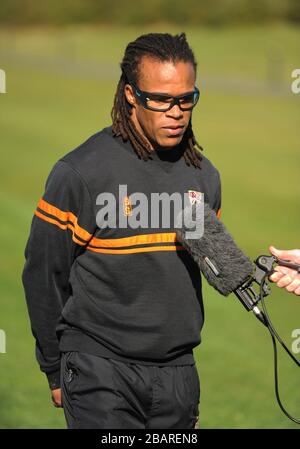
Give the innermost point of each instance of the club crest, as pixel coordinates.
(195, 197)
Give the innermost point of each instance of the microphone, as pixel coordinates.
(223, 264)
(228, 269)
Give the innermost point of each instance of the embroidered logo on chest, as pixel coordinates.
(195, 197)
(127, 206)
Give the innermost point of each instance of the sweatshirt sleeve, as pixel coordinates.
(62, 225)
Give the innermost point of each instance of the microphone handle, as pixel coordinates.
(292, 265)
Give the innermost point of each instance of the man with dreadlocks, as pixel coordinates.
(117, 310)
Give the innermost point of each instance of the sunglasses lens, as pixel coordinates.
(160, 103)
(189, 101)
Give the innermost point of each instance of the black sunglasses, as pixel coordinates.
(162, 102)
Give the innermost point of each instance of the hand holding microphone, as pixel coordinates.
(286, 276)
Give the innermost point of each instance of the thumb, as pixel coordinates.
(276, 252)
(284, 254)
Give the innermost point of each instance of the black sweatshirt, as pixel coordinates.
(132, 294)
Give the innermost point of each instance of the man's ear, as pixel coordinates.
(129, 94)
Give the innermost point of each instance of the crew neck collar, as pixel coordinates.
(169, 154)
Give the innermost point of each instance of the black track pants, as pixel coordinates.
(101, 393)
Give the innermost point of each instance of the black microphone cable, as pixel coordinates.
(274, 334)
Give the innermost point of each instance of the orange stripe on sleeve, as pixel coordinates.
(64, 216)
(60, 225)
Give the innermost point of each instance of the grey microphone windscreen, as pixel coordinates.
(223, 264)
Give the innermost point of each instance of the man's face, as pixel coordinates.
(163, 77)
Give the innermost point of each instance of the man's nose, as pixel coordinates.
(175, 111)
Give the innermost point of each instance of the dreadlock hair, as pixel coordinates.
(162, 47)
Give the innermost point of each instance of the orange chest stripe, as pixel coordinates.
(144, 239)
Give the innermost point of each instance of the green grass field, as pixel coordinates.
(60, 87)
